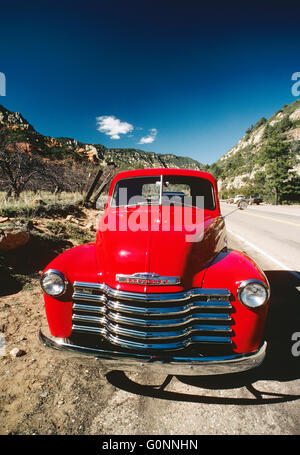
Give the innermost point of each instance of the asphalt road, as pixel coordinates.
(271, 232)
(265, 400)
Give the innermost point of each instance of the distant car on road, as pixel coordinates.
(174, 196)
(238, 198)
(255, 200)
(173, 193)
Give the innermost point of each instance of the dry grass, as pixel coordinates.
(39, 203)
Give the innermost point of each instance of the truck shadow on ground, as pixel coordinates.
(281, 364)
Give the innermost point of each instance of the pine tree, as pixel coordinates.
(279, 158)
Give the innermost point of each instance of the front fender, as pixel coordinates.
(77, 264)
(228, 270)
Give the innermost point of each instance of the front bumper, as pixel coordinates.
(169, 365)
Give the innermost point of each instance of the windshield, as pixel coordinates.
(182, 190)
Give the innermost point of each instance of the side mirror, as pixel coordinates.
(101, 202)
(242, 204)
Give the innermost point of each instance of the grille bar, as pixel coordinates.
(115, 339)
(85, 289)
(89, 308)
(160, 311)
(153, 321)
(154, 335)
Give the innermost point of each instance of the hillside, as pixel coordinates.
(246, 168)
(18, 130)
(243, 169)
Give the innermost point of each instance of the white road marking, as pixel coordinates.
(280, 264)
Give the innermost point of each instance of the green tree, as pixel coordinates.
(279, 127)
(291, 190)
(279, 157)
(216, 170)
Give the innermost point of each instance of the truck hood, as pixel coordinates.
(150, 239)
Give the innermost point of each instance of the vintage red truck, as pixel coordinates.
(159, 289)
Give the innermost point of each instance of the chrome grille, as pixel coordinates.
(153, 321)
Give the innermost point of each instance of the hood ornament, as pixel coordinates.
(149, 279)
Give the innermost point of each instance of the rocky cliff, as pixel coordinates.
(238, 167)
(18, 130)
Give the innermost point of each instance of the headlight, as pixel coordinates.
(53, 283)
(253, 293)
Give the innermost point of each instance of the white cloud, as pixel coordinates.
(112, 126)
(150, 138)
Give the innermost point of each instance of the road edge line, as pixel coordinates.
(280, 264)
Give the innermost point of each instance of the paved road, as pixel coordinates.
(273, 233)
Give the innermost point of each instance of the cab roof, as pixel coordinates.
(163, 171)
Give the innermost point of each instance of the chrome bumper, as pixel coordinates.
(170, 365)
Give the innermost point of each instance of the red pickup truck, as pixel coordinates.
(158, 289)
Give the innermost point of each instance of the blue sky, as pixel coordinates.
(182, 77)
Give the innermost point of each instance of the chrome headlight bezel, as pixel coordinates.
(59, 274)
(246, 284)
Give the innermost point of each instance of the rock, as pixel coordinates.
(25, 225)
(3, 327)
(4, 219)
(11, 239)
(295, 115)
(90, 227)
(72, 219)
(16, 352)
(44, 394)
